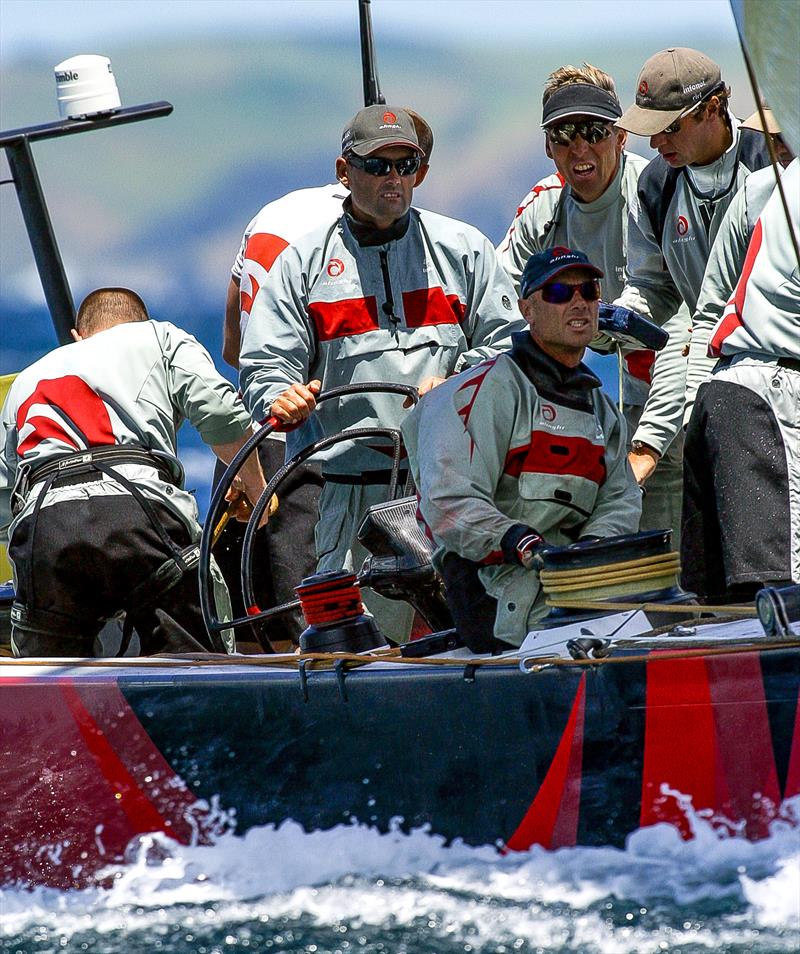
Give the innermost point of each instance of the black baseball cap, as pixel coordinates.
(543, 266)
(581, 99)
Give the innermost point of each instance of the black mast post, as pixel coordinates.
(17, 143)
(369, 69)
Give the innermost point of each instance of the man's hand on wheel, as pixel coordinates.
(427, 384)
(296, 403)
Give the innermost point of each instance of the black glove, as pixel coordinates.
(523, 546)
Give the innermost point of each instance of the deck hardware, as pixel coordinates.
(341, 672)
(583, 646)
(301, 670)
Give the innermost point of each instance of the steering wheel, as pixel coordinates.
(255, 614)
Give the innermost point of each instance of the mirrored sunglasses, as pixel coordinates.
(379, 166)
(562, 134)
(559, 293)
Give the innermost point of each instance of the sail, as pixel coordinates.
(770, 31)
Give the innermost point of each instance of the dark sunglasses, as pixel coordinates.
(592, 131)
(379, 167)
(559, 293)
(676, 125)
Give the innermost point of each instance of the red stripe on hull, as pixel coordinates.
(60, 774)
(707, 736)
(745, 740)
(552, 819)
(133, 753)
(679, 742)
(793, 772)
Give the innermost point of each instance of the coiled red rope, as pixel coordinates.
(330, 598)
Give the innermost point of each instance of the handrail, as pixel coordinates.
(49, 264)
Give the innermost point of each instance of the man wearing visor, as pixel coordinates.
(383, 293)
(585, 205)
(704, 157)
(522, 451)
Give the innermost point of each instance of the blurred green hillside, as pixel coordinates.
(161, 205)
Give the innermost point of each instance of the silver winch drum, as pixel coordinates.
(85, 86)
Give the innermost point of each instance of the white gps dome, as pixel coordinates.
(85, 85)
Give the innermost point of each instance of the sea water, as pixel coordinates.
(353, 890)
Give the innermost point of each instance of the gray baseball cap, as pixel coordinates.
(376, 127)
(670, 84)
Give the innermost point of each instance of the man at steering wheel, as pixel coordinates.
(385, 293)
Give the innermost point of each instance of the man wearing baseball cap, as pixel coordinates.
(585, 205)
(384, 293)
(682, 195)
(284, 549)
(522, 451)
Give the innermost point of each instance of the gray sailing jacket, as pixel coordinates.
(551, 215)
(724, 267)
(132, 384)
(519, 439)
(429, 302)
(672, 228)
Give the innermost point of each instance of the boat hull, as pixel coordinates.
(565, 755)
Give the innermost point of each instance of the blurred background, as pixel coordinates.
(261, 90)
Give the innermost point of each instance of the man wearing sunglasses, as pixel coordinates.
(585, 205)
(704, 157)
(285, 550)
(522, 451)
(383, 293)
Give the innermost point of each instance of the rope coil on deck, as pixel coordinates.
(622, 579)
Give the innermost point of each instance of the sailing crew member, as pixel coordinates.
(385, 293)
(285, 552)
(742, 515)
(522, 451)
(585, 205)
(90, 481)
(726, 261)
(704, 157)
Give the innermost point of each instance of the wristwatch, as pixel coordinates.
(640, 447)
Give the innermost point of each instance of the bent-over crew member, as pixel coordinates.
(522, 451)
(90, 479)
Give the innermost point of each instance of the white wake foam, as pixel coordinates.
(592, 899)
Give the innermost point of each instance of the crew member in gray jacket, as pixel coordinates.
(585, 206)
(742, 489)
(704, 157)
(522, 451)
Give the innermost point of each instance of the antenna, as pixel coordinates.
(369, 69)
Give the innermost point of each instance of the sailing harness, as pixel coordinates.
(95, 464)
